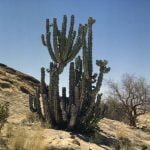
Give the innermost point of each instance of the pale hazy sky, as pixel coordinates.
(121, 33)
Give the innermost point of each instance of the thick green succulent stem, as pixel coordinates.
(78, 71)
(71, 83)
(56, 98)
(63, 39)
(38, 105)
(51, 93)
(103, 69)
(77, 97)
(73, 118)
(65, 48)
(81, 109)
(43, 84)
(55, 41)
(43, 90)
(46, 108)
(63, 105)
(85, 51)
(91, 21)
(32, 103)
(64, 92)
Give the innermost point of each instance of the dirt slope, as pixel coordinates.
(15, 87)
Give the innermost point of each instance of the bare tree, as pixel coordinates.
(134, 93)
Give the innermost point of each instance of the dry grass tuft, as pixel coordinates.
(24, 139)
(9, 130)
(35, 142)
(121, 132)
(17, 141)
(31, 117)
(122, 135)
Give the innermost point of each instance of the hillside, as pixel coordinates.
(15, 87)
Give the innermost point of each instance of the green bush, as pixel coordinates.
(4, 113)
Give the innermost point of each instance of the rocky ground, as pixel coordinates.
(15, 87)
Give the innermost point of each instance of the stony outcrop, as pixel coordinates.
(14, 88)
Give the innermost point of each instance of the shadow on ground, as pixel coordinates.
(3, 143)
(101, 139)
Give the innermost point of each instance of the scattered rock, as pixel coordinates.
(24, 90)
(64, 144)
(72, 137)
(5, 85)
(14, 88)
(76, 142)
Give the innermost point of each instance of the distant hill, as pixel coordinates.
(14, 88)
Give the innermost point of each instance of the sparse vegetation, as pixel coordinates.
(4, 113)
(9, 130)
(125, 143)
(31, 117)
(24, 140)
(144, 147)
(122, 135)
(5, 85)
(115, 110)
(134, 94)
(17, 141)
(121, 132)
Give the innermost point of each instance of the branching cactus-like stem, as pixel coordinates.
(81, 109)
(64, 48)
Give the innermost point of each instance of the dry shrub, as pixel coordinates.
(144, 147)
(115, 110)
(35, 142)
(4, 114)
(121, 132)
(122, 135)
(36, 127)
(17, 141)
(26, 140)
(9, 130)
(31, 117)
